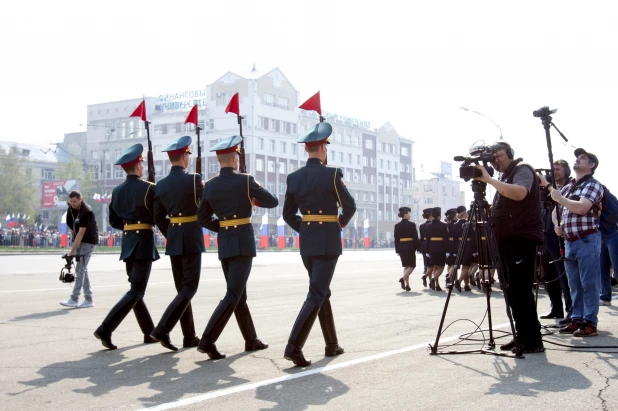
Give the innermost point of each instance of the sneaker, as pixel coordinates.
(69, 303)
(569, 328)
(587, 330)
(605, 303)
(565, 321)
(86, 304)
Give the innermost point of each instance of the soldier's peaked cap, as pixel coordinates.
(132, 156)
(180, 146)
(228, 145)
(317, 135)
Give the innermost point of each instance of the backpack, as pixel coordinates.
(609, 210)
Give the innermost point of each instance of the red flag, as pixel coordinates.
(140, 111)
(232, 106)
(192, 117)
(313, 103)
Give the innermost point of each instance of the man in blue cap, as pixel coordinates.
(317, 191)
(231, 196)
(131, 211)
(178, 197)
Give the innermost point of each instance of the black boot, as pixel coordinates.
(170, 317)
(213, 330)
(144, 320)
(113, 320)
(188, 329)
(327, 322)
(300, 333)
(403, 286)
(247, 329)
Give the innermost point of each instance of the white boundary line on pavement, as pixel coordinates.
(257, 277)
(251, 386)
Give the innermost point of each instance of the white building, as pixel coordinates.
(377, 162)
(436, 190)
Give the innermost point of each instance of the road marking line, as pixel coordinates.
(251, 386)
(257, 277)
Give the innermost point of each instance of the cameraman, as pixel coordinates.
(557, 284)
(83, 225)
(518, 229)
(579, 203)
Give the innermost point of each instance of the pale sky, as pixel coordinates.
(411, 63)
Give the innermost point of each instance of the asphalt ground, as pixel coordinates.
(49, 359)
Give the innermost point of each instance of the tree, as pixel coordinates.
(17, 193)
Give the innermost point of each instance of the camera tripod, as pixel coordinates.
(489, 258)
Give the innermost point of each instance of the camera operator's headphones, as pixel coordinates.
(502, 145)
(565, 166)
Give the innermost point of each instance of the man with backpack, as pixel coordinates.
(578, 203)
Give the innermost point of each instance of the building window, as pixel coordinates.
(381, 163)
(429, 200)
(270, 187)
(48, 174)
(284, 147)
(294, 149)
(388, 164)
(408, 183)
(358, 161)
(118, 172)
(373, 198)
(94, 155)
(282, 188)
(260, 143)
(365, 161)
(369, 144)
(347, 139)
(271, 168)
(355, 141)
(213, 167)
(373, 180)
(272, 145)
(405, 151)
(259, 164)
(28, 172)
(387, 181)
(349, 158)
(211, 124)
(339, 138)
(386, 198)
(379, 180)
(356, 178)
(269, 99)
(365, 196)
(372, 162)
(282, 167)
(283, 102)
(394, 181)
(427, 188)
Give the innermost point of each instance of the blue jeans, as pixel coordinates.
(85, 250)
(584, 271)
(609, 257)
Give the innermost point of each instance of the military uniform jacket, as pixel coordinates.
(423, 240)
(132, 204)
(230, 196)
(457, 233)
(406, 229)
(451, 238)
(437, 229)
(316, 189)
(178, 195)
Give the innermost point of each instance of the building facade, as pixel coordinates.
(436, 190)
(377, 162)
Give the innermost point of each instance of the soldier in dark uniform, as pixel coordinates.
(469, 249)
(406, 245)
(178, 197)
(131, 211)
(231, 196)
(428, 269)
(438, 247)
(317, 191)
(451, 219)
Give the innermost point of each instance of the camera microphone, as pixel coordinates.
(459, 158)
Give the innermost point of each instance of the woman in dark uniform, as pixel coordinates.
(438, 247)
(469, 251)
(406, 245)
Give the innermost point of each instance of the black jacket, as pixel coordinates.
(230, 195)
(132, 204)
(316, 189)
(178, 195)
(406, 229)
(437, 229)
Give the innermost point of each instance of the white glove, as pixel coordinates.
(427, 254)
(448, 254)
(475, 254)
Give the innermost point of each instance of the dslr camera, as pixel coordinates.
(65, 272)
(478, 155)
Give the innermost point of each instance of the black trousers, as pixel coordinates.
(517, 256)
(321, 270)
(186, 271)
(556, 289)
(139, 273)
(236, 271)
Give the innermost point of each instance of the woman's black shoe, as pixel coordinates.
(403, 286)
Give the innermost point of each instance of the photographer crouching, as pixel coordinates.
(517, 218)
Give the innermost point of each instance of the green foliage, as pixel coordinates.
(17, 192)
